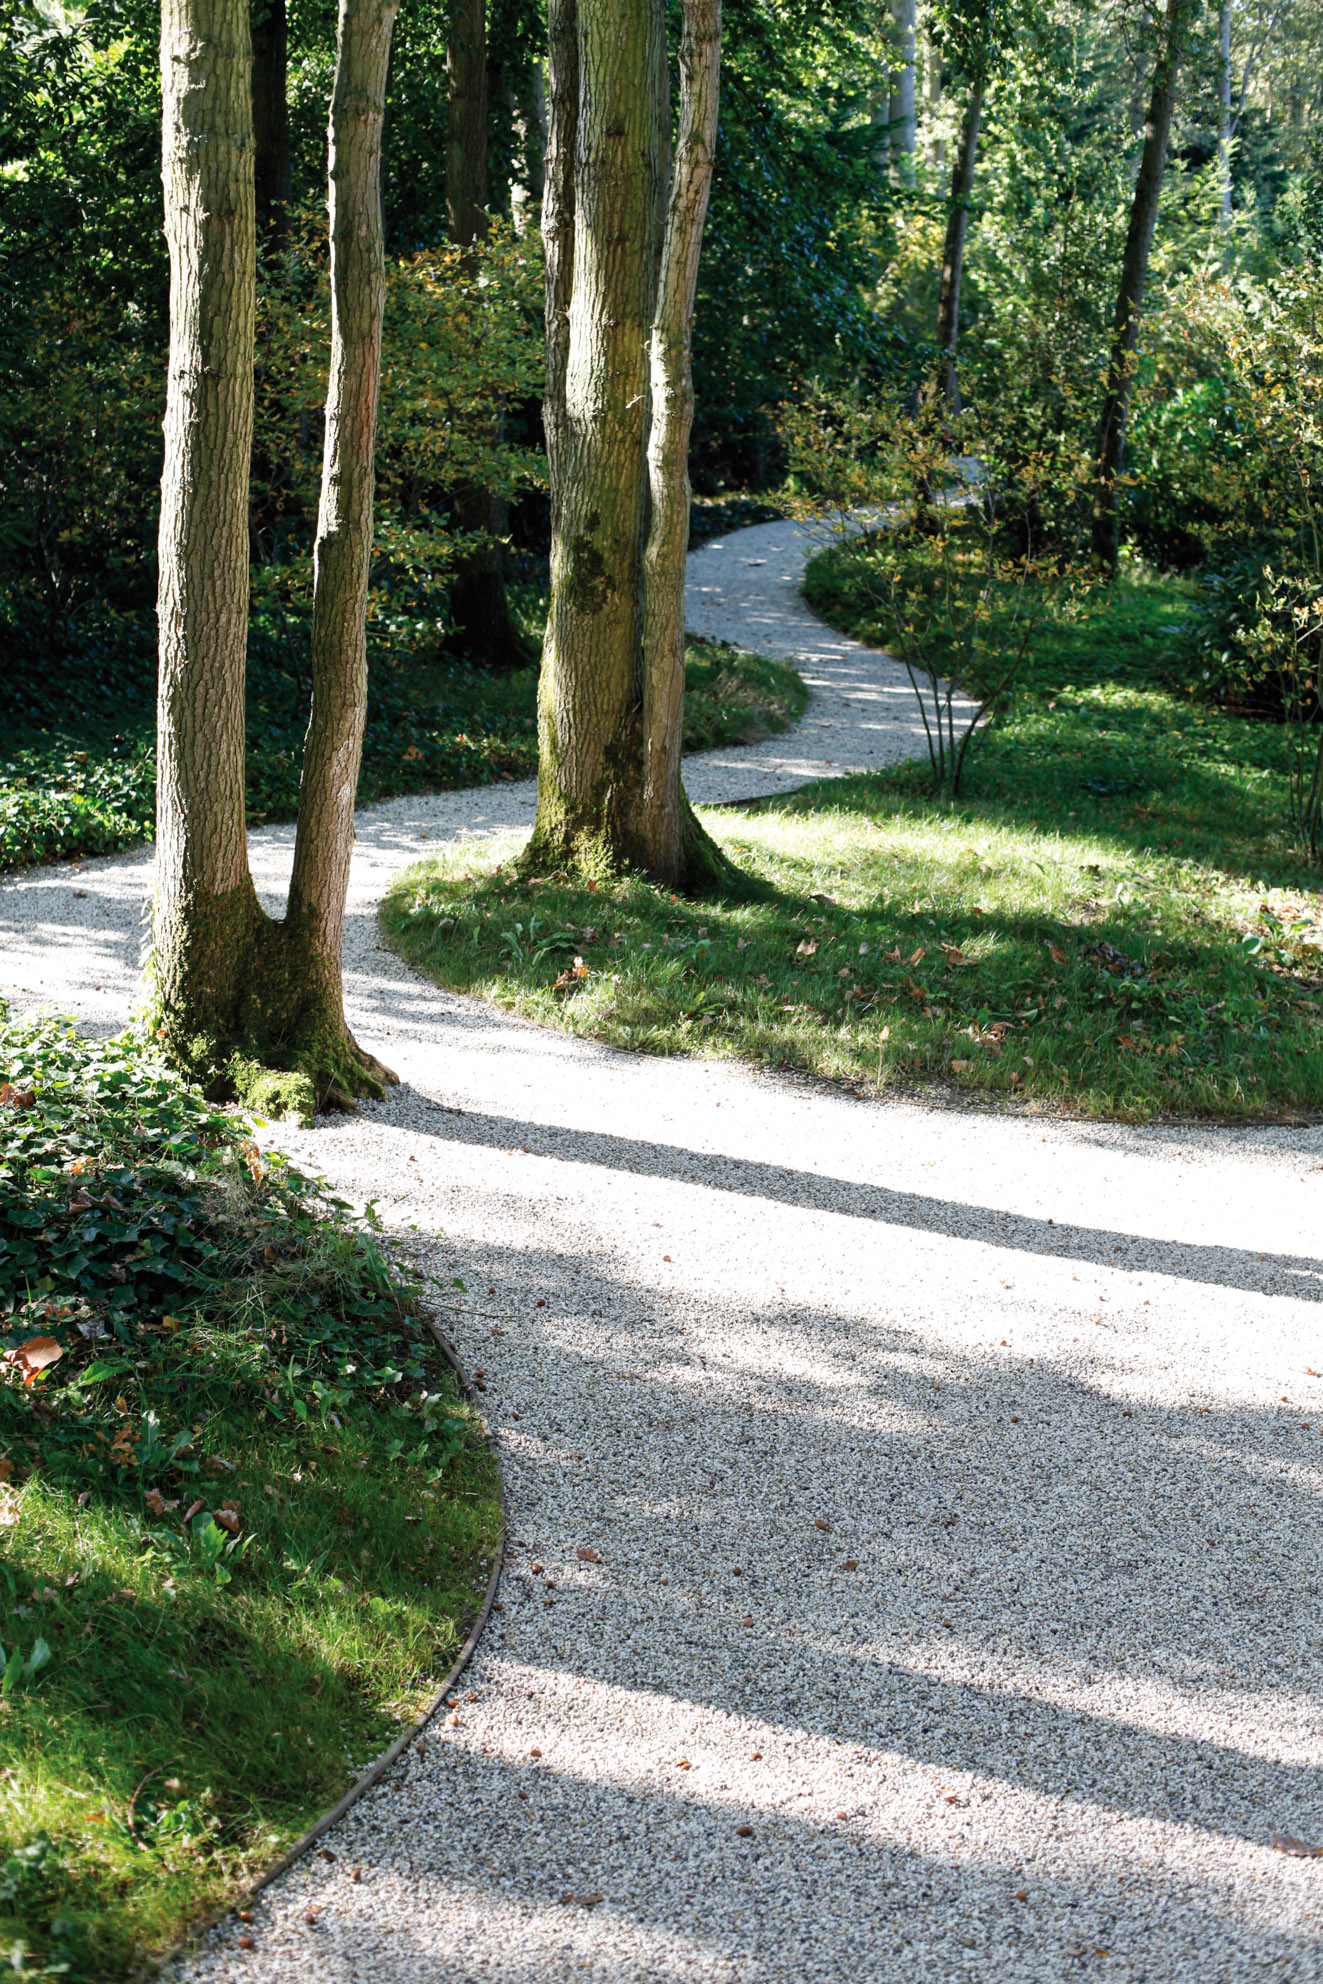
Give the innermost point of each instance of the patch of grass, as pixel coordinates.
(429, 729)
(1145, 629)
(733, 697)
(246, 1517)
(1125, 953)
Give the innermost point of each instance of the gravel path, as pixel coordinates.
(956, 1611)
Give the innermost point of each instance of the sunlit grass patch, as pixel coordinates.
(246, 1517)
(910, 942)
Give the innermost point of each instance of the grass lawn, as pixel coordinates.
(90, 787)
(1111, 921)
(246, 1518)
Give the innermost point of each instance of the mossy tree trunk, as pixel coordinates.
(622, 262)
(246, 1004)
(1109, 448)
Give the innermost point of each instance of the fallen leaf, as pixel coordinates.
(35, 1356)
(1057, 955)
(1299, 1849)
(227, 1519)
(806, 948)
(744, 1832)
(916, 957)
(587, 1555)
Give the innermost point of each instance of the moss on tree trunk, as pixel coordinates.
(623, 231)
(251, 1006)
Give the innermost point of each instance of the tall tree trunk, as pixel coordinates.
(953, 252)
(1224, 114)
(932, 99)
(466, 122)
(315, 917)
(901, 120)
(247, 1005)
(598, 322)
(529, 110)
(671, 845)
(272, 170)
(617, 411)
(1109, 449)
(484, 628)
(204, 895)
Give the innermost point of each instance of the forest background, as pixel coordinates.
(816, 330)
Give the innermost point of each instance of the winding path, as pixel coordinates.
(954, 1480)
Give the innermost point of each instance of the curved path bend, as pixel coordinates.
(953, 1482)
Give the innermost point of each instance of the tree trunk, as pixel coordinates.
(530, 126)
(466, 122)
(932, 100)
(953, 253)
(246, 1005)
(205, 903)
(1109, 450)
(1224, 114)
(315, 918)
(901, 119)
(671, 845)
(598, 324)
(484, 628)
(618, 409)
(272, 171)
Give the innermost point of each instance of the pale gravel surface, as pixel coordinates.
(1044, 1385)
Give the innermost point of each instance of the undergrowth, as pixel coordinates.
(246, 1517)
(90, 788)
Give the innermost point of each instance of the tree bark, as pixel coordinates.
(953, 252)
(529, 107)
(484, 628)
(249, 1006)
(901, 120)
(315, 917)
(1224, 114)
(599, 320)
(671, 846)
(618, 410)
(1109, 449)
(466, 122)
(932, 102)
(272, 169)
(205, 901)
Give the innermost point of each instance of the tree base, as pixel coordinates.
(595, 847)
(280, 1045)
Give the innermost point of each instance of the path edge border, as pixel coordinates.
(153, 1967)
